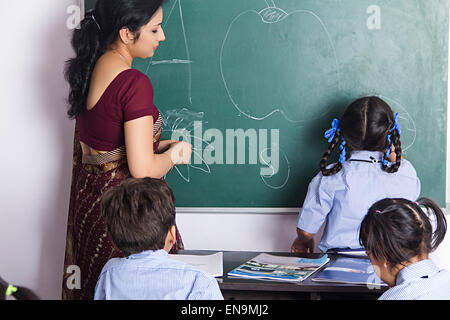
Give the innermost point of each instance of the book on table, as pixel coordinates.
(280, 268)
(352, 252)
(210, 263)
(350, 270)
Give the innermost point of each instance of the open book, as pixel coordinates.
(280, 268)
(350, 270)
(211, 263)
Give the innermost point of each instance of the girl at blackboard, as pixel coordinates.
(341, 193)
(398, 236)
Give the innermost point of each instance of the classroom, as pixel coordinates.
(233, 79)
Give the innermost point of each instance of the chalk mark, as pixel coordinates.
(408, 122)
(262, 14)
(188, 60)
(173, 61)
(265, 177)
(172, 121)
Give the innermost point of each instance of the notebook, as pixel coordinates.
(211, 263)
(350, 270)
(279, 268)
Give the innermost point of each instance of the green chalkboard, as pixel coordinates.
(253, 85)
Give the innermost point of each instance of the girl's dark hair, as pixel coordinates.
(365, 125)
(20, 294)
(138, 214)
(399, 229)
(97, 32)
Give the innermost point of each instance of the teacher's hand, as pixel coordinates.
(180, 152)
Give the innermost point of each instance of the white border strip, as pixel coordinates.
(447, 182)
(83, 8)
(205, 210)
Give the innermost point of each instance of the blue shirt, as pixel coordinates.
(421, 280)
(152, 275)
(344, 198)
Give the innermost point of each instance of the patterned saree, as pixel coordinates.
(88, 245)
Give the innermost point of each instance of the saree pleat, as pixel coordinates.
(88, 245)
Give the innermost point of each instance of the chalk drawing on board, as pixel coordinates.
(266, 178)
(409, 131)
(183, 122)
(300, 100)
(187, 61)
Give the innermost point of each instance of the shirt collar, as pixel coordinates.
(365, 155)
(149, 254)
(421, 269)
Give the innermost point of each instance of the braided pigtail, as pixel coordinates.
(334, 136)
(398, 153)
(386, 154)
(393, 139)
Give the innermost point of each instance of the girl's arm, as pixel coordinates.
(142, 161)
(304, 242)
(316, 207)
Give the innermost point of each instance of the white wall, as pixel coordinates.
(35, 166)
(250, 232)
(35, 143)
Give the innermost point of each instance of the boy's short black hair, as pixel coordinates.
(138, 214)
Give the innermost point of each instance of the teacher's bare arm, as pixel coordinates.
(142, 161)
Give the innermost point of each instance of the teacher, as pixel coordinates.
(118, 128)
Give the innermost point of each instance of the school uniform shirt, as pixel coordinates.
(421, 280)
(152, 275)
(343, 199)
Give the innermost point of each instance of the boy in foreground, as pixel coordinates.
(140, 218)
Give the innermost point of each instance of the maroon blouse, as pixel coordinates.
(129, 96)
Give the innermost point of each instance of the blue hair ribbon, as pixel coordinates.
(397, 126)
(388, 150)
(330, 133)
(342, 156)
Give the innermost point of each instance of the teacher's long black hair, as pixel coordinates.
(98, 31)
